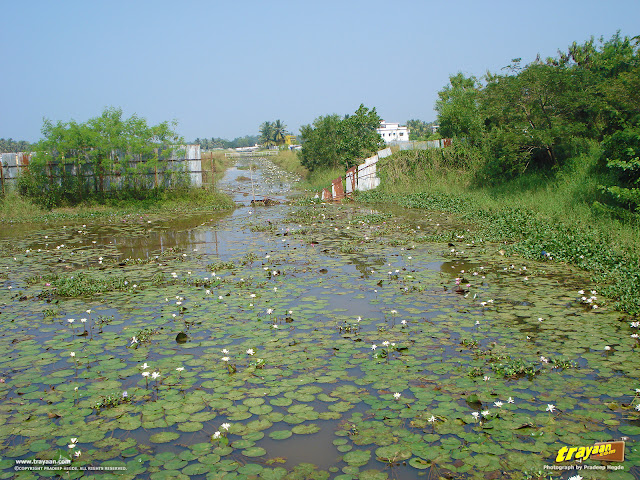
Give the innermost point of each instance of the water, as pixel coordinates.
(344, 282)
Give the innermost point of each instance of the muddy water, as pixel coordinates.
(323, 313)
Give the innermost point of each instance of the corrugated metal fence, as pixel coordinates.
(164, 174)
(365, 176)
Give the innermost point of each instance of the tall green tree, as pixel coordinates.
(332, 141)
(109, 143)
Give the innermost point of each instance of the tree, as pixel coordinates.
(110, 144)
(267, 133)
(331, 142)
(458, 108)
(279, 132)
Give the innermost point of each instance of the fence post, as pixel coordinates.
(213, 178)
(2, 176)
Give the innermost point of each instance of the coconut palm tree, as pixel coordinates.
(279, 132)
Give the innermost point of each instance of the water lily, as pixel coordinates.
(374, 346)
(225, 359)
(550, 407)
(226, 426)
(485, 413)
(73, 354)
(216, 435)
(250, 351)
(431, 419)
(155, 375)
(397, 395)
(225, 351)
(498, 404)
(179, 369)
(510, 400)
(144, 366)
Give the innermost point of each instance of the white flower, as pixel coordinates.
(486, 378)
(225, 359)
(269, 311)
(510, 400)
(373, 347)
(217, 435)
(251, 351)
(83, 320)
(637, 407)
(397, 395)
(145, 374)
(70, 320)
(485, 413)
(134, 340)
(145, 366)
(431, 419)
(498, 404)
(550, 407)
(575, 477)
(226, 426)
(155, 375)
(607, 347)
(225, 351)
(179, 369)
(385, 343)
(475, 415)
(73, 354)
(77, 453)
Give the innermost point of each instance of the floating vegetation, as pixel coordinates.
(287, 355)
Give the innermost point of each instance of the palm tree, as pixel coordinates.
(267, 133)
(279, 132)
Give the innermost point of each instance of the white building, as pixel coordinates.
(393, 132)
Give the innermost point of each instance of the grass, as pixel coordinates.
(18, 209)
(312, 181)
(536, 213)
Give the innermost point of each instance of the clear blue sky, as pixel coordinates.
(222, 68)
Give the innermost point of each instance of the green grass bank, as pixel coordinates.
(15, 208)
(550, 216)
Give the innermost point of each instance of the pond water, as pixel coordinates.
(332, 341)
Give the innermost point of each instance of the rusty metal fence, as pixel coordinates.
(163, 174)
(365, 176)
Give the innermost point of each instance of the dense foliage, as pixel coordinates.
(421, 130)
(10, 145)
(539, 115)
(215, 142)
(332, 141)
(105, 156)
(273, 133)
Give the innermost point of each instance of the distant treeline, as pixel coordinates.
(10, 145)
(538, 116)
(238, 142)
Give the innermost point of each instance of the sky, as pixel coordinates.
(221, 68)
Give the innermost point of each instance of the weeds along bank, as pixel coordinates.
(17, 208)
(542, 217)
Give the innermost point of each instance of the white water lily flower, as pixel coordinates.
(226, 426)
(225, 359)
(73, 354)
(145, 374)
(155, 375)
(550, 407)
(397, 395)
(250, 351)
(373, 347)
(431, 419)
(179, 369)
(217, 435)
(510, 400)
(485, 413)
